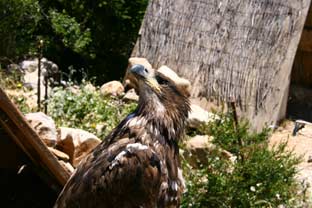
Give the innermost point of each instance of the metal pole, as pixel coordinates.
(46, 94)
(39, 74)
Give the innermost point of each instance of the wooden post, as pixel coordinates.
(241, 50)
(14, 123)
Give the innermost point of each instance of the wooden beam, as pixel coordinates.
(308, 22)
(302, 69)
(306, 40)
(15, 124)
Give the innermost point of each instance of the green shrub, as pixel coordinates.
(260, 177)
(86, 109)
(10, 80)
(13, 82)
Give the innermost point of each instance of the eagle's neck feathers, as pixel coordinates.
(164, 118)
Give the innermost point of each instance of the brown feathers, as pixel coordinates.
(137, 164)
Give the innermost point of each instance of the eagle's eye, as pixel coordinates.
(161, 80)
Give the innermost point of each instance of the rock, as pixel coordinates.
(29, 65)
(310, 159)
(60, 155)
(68, 167)
(15, 69)
(198, 148)
(129, 79)
(199, 116)
(76, 143)
(48, 69)
(183, 84)
(114, 88)
(31, 80)
(131, 96)
(75, 89)
(44, 126)
(199, 142)
(89, 87)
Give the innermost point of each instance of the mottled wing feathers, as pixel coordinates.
(126, 170)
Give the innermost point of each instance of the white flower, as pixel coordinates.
(252, 188)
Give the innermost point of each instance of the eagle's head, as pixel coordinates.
(161, 101)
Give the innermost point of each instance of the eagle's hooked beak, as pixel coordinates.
(146, 75)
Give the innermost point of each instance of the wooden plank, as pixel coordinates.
(28, 140)
(302, 69)
(306, 40)
(239, 51)
(308, 23)
(11, 156)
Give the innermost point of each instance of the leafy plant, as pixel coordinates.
(260, 177)
(12, 80)
(81, 107)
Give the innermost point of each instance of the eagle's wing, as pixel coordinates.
(124, 169)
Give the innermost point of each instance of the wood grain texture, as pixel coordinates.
(302, 69)
(14, 123)
(308, 22)
(239, 51)
(306, 40)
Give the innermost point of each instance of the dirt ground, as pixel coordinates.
(301, 144)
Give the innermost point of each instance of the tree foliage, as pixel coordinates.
(94, 36)
(18, 22)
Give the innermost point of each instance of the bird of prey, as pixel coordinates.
(137, 164)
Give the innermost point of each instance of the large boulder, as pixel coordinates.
(44, 126)
(30, 69)
(114, 88)
(198, 116)
(76, 143)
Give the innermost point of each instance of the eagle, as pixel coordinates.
(137, 164)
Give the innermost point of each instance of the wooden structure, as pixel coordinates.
(300, 96)
(302, 68)
(19, 130)
(238, 51)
